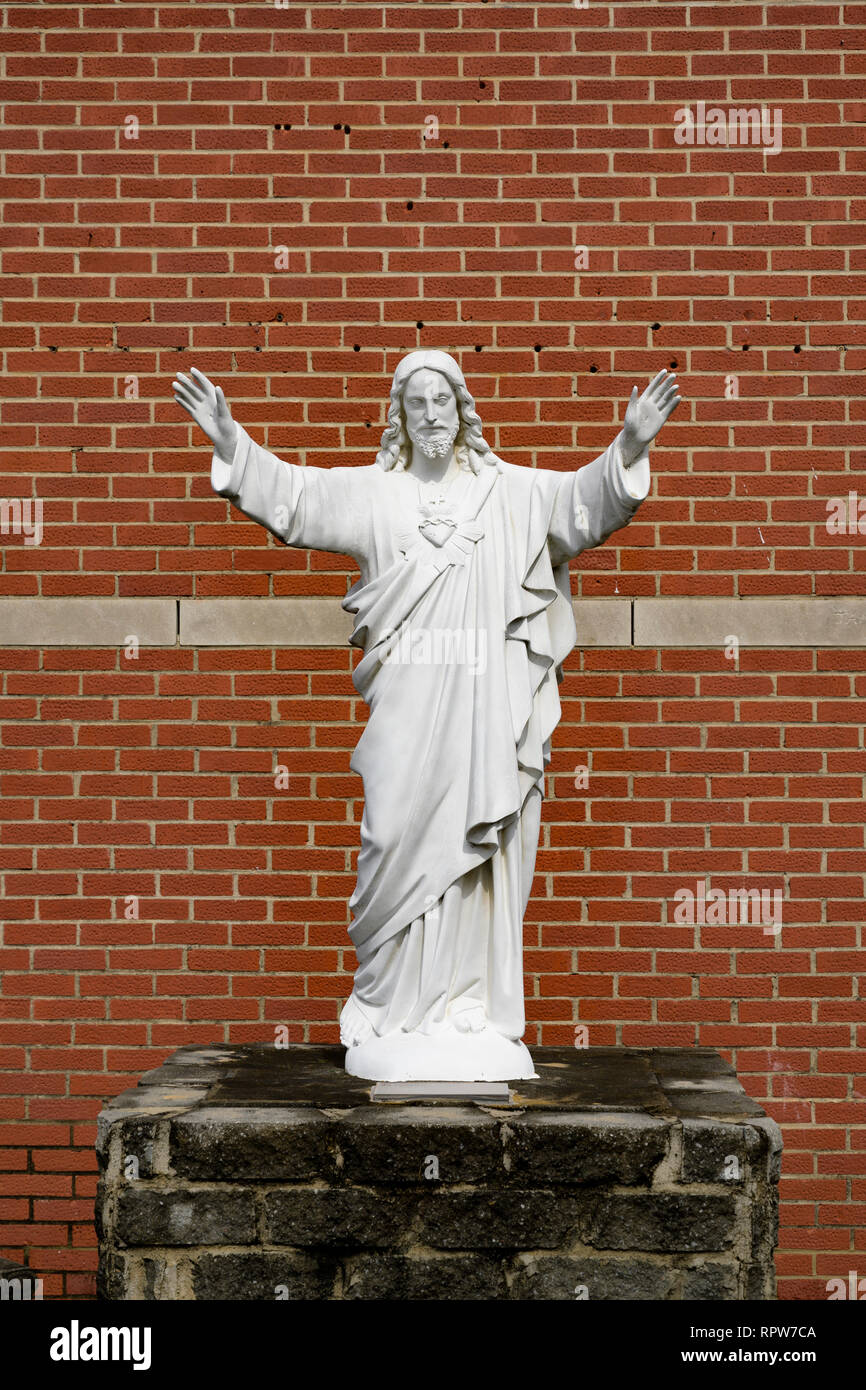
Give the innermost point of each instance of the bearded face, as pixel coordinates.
(431, 413)
(435, 445)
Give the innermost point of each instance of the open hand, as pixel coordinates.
(645, 415)
(208, 407)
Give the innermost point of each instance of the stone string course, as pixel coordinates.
(320, 622)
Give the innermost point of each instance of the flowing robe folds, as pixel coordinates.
(464, 627)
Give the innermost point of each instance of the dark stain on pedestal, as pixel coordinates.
(672, 1082)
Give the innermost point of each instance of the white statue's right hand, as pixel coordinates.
(208, 407)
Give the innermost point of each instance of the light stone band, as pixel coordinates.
(321, 622)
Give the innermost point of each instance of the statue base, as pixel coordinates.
(446, 1056)
(258, 1172)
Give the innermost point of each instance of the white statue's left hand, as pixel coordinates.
(646, 414)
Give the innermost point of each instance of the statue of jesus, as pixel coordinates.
(463, 612)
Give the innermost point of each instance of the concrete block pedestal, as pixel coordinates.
(254, 1172)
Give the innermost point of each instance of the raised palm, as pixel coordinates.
(645, 415)
(208, 407)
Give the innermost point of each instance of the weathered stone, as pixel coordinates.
(102, 1213)
(726, 1103)
(236, 1144)
(712, 1281)
(596, 1080)
(113, 1279)
(247, 1276)
(672, 1065)
(663, 1221)
(593, 1079)
(765, 1222)
(194, 1216)
(759, 1281)
(773, 1136)
(513, 1220)
(138, 1150)
(720, 1153)
(344, 1216)
(464, 1277)
(302, 1075)
(583, 1277)
(395, 1145)
(605, 1177)
(579, 1148)
(158, 1279)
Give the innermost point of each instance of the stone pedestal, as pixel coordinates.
(251, 1172)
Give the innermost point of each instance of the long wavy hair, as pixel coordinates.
(470, 447)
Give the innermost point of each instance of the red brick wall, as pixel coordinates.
(132, 258)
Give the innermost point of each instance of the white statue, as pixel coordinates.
(463, 611)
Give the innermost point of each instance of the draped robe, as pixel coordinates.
(463, 645)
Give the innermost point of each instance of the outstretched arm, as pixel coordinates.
(209, 408)
(603, 496)
(319, 508)
(644, 417)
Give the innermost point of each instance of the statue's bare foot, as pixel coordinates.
(472, 1020)
(355, 1028)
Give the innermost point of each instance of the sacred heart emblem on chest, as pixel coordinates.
(437, 531)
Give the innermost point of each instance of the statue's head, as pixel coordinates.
(430, 406)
